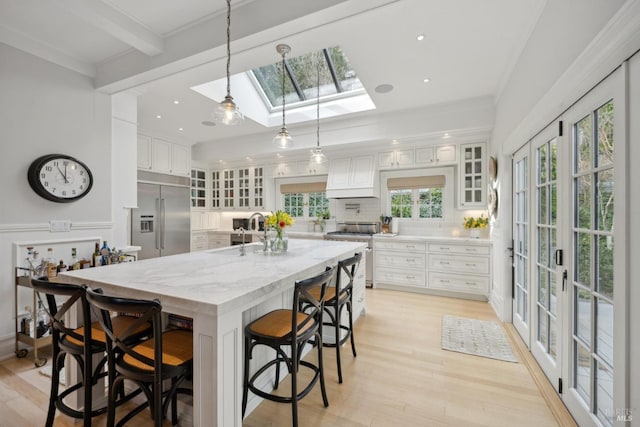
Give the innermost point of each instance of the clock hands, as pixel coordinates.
(64, 174)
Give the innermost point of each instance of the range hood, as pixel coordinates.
(353, 177)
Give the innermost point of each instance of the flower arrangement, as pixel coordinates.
(278, 221)
(475, 222)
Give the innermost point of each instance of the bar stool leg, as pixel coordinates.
(353, 344)
(245, 382)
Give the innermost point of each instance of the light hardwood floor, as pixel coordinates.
(401, 377)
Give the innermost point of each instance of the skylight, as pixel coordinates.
(336, 76)
(258, 92)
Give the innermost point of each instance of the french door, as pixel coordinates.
(568, 293)
(521, 293)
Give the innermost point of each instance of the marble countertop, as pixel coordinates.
(218, 280)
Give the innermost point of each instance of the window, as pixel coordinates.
(304, 199)
(418, 194)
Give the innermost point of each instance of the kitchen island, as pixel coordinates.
(222, 291)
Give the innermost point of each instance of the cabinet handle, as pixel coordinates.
(411, 277)
(410, 246)
(444, 249)
(444, 262)
(471, 250)
(471, 283)
(411, 260)
(470, 265)
(444, 281)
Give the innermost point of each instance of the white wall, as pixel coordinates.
(47, 109)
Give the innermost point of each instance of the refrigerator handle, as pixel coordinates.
(162, 218)
(158, 225)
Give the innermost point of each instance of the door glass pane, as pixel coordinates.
(604, 395)
(553, 294)
(543, 289)
(542, 205)
(553, 338)
(583, 201)
(604, 276)
(542, 164)
(543, 246)
(583, 137)
(604, 200)
(553, 204)
(605, 134)
(583, 315)
(553, 159)
(583, 259)
(604, 330)
(553, 245)
(582, 372)
(542, 327)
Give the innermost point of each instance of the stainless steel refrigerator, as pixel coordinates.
(161, 224)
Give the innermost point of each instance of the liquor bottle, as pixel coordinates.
(75, 263)
(105, 253)
(95, 260)
(62, 267)
(42, 327)
(51, 270)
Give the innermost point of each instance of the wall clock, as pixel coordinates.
(492, 201)
(493, 168)
(59, 178)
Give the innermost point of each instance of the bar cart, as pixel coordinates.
(24, 335)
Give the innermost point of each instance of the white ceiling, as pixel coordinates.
(160, 48)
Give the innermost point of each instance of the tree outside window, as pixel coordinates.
(427, 200)
(306, 205)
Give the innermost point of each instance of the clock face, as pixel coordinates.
(60, 178)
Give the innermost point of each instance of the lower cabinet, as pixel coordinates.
(455, 268)
(359, 286)
(218, 240)
(199, 241)
(399, 263)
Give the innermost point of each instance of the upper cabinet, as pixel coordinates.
(198, 188)
(437, 155)
(352, 177)
(241, 188)
(395, 159)
(299, 168)
(158, 155)
(472, 175)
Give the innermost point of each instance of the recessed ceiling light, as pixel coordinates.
(158, 116)
(176, 102)
(278, 155)
(426, 80)
(395, 142)
(248, 158)
(384, 88)
(420, 37)
(446, 135)
(180, 128)
(208, 123)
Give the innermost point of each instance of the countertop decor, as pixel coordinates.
(474, 224)
(276, 222)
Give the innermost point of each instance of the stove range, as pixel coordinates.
(358, 232)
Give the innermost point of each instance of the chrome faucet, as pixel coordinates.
(257, 227)
(242, 249)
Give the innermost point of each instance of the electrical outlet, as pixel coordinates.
(59, 226)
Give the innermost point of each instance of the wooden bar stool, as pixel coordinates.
(71, 341)
(167, 355)
(338, 298)
(293, 329)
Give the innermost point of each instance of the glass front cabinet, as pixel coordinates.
(473, 181)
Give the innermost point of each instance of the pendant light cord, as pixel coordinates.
(228, 47)
(283, 71)
(318, 106)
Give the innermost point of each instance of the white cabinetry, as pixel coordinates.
(219, 240)
(399, 263)
(158, 155)
(241, 188)
(352, 177)
(460, 268)
(300, 168)
(449, 267)
(472, 175)
(437, 155)
(359, 285)
(395, 159)
(199, 241)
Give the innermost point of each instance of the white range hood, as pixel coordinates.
(353, 177)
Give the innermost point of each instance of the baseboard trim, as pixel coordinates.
(555, 404)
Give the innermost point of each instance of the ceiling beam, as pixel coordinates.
(116, 24)
(45, 51)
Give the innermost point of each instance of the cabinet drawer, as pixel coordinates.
(400, 246)
(403, 278)
(458, 249)
(401, 259)
(198, 237)
(459, 283)
(459, 264)
(199, 246)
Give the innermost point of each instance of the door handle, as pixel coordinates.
(162, 214)
(564, 280)
(159, 226)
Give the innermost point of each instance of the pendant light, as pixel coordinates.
(283, 139)
(227, 112)
(317, 156)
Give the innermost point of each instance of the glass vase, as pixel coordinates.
(280, 242)
(474, 233)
